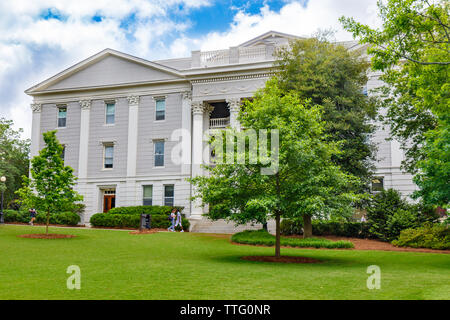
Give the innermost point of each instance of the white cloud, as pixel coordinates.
(33, 49)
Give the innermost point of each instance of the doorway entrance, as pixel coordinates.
(109, 199)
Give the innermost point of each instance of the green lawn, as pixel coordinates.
(117, 265)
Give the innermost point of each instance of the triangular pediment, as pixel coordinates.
(272, 37)
(105, 69)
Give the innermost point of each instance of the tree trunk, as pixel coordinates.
(307, 226)
(265, 225)
(48, 220)
(277, 235)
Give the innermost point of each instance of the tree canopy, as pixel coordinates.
(51, 185)
(304, 181)
(14, 158)
(333, 77)
(413, 50)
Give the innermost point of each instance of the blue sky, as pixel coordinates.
(40, 38)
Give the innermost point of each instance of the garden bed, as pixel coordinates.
(46, 236)
(264, 238)
(282, 259)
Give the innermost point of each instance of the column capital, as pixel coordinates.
(208, 108)
(36, 107)
(186, 95)
(133, 100)
(85, 104)
(234, 104)
(197, 107)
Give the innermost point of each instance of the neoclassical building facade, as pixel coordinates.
(132, 129)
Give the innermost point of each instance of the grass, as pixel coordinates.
(262, 237)
(117, 265)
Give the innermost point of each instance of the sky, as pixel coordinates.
(40, 38)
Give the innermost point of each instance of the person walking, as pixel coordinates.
(178, 221)
(32, 212)
(172, 221)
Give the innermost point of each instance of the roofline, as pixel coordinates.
(86, 62)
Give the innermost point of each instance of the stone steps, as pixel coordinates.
(221, 226)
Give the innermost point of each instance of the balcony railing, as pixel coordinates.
(219, 122)
(233, 55)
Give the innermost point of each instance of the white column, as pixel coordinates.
(396, 154)
(83, 160)
(197, 146)
(234, 104)
(35, 129)
(133, 113)
(84, 139)
(186, 117)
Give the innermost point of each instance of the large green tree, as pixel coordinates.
(303, 181)
(51, 185)
(413, 50)
(14, 158)
(333, 77)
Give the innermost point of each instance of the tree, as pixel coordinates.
(303, 181)
(14, 155)
(333, 77)
(412, 49)
(51, 185)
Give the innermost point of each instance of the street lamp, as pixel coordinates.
(2, 179)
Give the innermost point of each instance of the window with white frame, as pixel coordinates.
(159, 153)
(62, 116)
(169, 195)
(160, 109)
(108, 155)
(147, 195)
(110, 112)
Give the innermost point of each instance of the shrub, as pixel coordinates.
(115, 220)
(433, 236)
(262, 237)
(144, 209)
(16, 216)
(325, 228)
(131, 221)
(388, 214)
(65, 218)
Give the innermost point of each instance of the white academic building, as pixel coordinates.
(119, 118)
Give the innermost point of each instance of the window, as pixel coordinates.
(148, 195)
(62, 114)
(110, 112)
(168, 195)
(63, 153)
(377, 184)
(159, 153)
(160, 109)
(108, 156)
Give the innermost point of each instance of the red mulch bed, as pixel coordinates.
(282, 259)
(50, 225)
(149, 231)
(46, 236)
(370, 244)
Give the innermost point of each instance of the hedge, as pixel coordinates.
(262, 237)
(64, 218)
(144, 209)
(131, 221)
(431, 236)
(326, 228)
